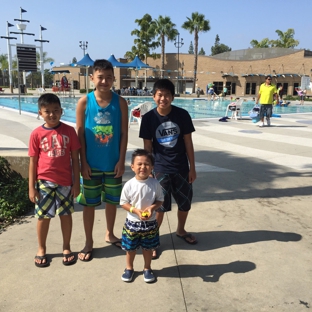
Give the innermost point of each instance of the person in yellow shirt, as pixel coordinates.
(267, 93)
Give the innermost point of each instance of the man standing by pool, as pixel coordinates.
(267, 92)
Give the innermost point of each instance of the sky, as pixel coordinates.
(107, 24)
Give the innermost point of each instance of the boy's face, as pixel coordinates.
(103, 79)
(163, 99)
(142, 167)
(51, 114)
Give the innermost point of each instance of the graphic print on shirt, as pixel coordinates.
(56, 147)
(167, 134)
(104, 132)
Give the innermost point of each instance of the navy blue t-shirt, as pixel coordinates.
(166, 133)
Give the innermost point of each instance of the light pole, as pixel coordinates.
(178, 44)
(84, 46)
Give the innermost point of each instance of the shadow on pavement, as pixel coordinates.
(209, 273)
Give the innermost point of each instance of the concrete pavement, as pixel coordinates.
(251, 215)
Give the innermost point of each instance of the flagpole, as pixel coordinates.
(10, 57)
(41, 59)
(22, 42)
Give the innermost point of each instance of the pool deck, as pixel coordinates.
(251, 214)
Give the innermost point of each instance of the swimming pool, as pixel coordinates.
(197, 108)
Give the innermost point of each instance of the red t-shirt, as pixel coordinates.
(53, 148)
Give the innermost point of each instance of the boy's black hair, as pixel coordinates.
(164, 84)
(268, 76)
(48, 98)
(142, 152)
(102, 65)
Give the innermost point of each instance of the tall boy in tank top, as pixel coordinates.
(102, 127)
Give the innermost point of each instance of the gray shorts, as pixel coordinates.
(266, 109)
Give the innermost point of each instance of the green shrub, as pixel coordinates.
(14, 201)
(84, 90)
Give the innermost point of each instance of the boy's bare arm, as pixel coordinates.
(148, 145)
(76, 171)
(190, 155)
(120, 166)
(80, 126)
(32, 174)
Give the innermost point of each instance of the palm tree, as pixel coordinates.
(145, 36)
(130, 55)
(163, 28)
(286, 39)
(196, 24)
(45, 58)
(264, 43)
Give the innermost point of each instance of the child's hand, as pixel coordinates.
(75, 190)
(146, 214)
(34, 195)
(86, 171)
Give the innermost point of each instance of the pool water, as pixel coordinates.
(197, 108)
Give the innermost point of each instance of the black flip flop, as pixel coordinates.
(67, 256)
(85, 254)
(188, 235)
(42, 265)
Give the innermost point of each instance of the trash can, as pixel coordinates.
(22, 89)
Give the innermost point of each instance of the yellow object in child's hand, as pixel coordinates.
(145, 214)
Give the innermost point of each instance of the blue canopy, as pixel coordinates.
(61, 71)
(137, 64)
(85, 61)
(115, 63)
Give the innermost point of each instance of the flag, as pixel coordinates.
(10, 25)
(23, 11)
(42, 28)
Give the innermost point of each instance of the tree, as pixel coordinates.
(145, 36)
(163, 28)
(130, 55)
(202, 52)
(45, 58)
(34, 79)
(191, 48)
(196, 24)
(219, 47)
(286, 39)
(74, 60)
(264, 43)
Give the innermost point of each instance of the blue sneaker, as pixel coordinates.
(127, 275)
(148, 276)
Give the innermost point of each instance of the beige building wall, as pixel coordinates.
(210, 69)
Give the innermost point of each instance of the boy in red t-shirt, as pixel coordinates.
(53, 175)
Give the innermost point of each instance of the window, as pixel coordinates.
(218, 87)
(296, 85)
(247, 91)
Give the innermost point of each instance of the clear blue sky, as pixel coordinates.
(107, 25)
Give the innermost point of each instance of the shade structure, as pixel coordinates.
(115, 63)
(64, 71)
(85, 62)
(137, 64)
